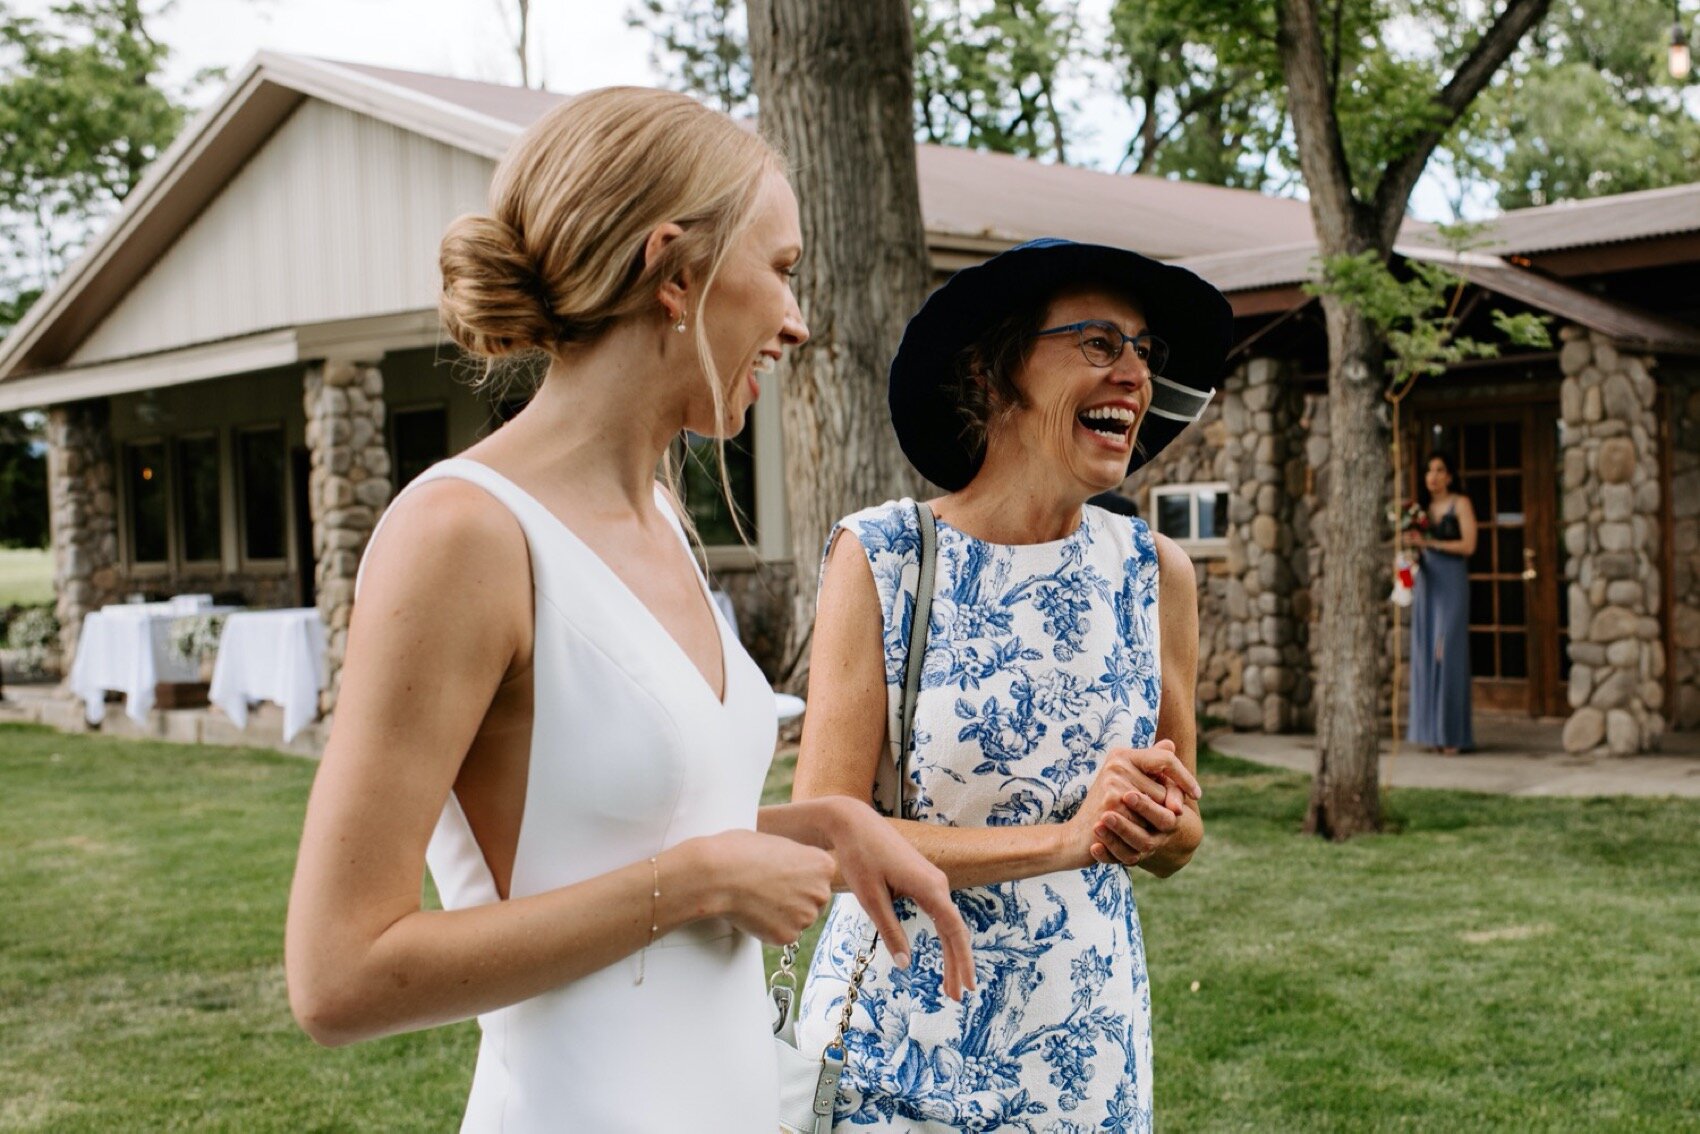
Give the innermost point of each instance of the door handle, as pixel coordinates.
(1529, 572)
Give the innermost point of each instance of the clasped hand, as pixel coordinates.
(1135, 804)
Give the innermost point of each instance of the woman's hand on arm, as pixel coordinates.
(844, 740)
(878, 865)
(1146, 809)
(438, 628)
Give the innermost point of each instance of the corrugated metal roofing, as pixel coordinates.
(1600, 220)
(1628, 325)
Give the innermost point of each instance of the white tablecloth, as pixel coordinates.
(127, 647)
(788, 707)
(271, 655)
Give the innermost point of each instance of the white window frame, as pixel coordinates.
(1198, 548)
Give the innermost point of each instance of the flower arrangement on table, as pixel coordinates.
(194, 637)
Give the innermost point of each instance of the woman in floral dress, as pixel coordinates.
(1053, 737)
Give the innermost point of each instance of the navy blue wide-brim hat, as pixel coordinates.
(1180, 308)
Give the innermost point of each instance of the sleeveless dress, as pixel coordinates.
(1440, 645)
(631, 753)
(1039, 659)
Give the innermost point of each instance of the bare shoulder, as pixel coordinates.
(846, 579)
(449, 537)
(448, 517)
(1175, 568)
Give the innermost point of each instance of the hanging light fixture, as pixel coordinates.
(1680, 59)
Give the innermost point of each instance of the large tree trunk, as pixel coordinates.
(1345, 799)
(834, 79)
(1345, 796)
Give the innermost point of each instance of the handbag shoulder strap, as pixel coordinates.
(912, 662)
(783, 984)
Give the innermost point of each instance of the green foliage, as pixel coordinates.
(1204, 83)
(1587, 108)
(986, 74)
(1415, 311)
(1582, 108)
(704, 45)
(23, 481)
(82, 114)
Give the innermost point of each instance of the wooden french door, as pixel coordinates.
(1506, 455)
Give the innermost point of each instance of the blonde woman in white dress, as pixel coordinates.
(539, 698)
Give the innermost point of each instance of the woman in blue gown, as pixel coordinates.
(1440, 614)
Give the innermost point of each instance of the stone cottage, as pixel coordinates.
(245, 366)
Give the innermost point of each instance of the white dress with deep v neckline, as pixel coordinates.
(631, 753)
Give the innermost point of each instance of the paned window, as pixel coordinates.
(260, 463)
(199, 527)
(1192, 514)
(148, 498)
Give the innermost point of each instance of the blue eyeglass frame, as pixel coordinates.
(1143, 336)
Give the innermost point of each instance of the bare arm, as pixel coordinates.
(1177, 720)
(363, 959)
(844, 739)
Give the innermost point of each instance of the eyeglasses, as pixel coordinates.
(1102, 343)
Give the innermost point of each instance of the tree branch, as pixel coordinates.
(1322, 154)
(1496, 45)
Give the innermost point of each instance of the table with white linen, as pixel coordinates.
(788, 707)
(127, 647)
(271, 655)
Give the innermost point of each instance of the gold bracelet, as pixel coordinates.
(654, 898)
(654, 908)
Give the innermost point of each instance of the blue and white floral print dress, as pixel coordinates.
(1040, 658)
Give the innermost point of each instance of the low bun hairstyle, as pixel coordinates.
(494, 303)
(559, 256)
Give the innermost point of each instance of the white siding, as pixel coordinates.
(337, 217)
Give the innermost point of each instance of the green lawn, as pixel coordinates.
(26, 575)
(1512, 964)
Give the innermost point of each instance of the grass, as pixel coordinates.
(26, 575)
(1520, 964)
(141, 952)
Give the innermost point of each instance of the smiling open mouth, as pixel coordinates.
(1110, 421)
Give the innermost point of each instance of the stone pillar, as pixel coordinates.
(82, 479)
(1685, 540)
(348, 489)
(1611, 534)
(1263, 461)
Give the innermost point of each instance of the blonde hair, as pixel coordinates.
(559, 257)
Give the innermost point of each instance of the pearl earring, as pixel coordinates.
(680, 325)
